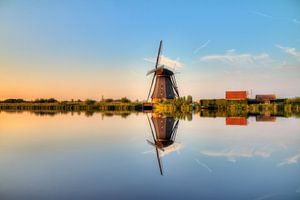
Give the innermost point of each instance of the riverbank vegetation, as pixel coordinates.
(123, 104)
(181, 107)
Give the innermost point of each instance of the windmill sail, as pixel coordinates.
(156, 64)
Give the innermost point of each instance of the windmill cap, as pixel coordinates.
(161, 71)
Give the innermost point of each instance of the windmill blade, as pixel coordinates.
(154, 70)
(154, 140)
(159, 162)
(151, 71)
(151, 143)
(158, 54)
(156, 149)
(174, 131)
(156, 65)
(151, 129)
(150, 87)
(174, 84)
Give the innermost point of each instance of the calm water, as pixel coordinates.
(78, 157)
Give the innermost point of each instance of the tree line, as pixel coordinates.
(53, 100)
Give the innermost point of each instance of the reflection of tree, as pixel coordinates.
(89, 113)
(45, 113)
(178, 115)
(125, 115)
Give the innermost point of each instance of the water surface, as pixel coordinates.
(71, 156)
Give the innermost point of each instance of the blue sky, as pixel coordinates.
(86, 49)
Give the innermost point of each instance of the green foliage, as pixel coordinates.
(295, 100)
(181, 107)
(125, 100)
(13, 101)
(189, 99)
(108, 100)
(51, 100)
(89, 102)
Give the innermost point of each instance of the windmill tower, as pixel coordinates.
(165, 129)
(165, 86)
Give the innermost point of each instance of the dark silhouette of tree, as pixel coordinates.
(89, 102)
(125, 100)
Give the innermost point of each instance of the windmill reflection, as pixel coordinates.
(163, 131)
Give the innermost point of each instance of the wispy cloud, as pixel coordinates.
(170, 149)
(289, 50)
(231, 57)
(291, 160)
(164, 60)
(261, 14)
(285, 66)
(268, 196)
(232, 154)
(202, 46)
(203, 165)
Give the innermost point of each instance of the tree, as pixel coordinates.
(13, 101)
(108, 100)
(51, 100)
(189, 99)
(90, 102)
(125, 100)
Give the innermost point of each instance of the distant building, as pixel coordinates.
(265, 98)
(241, 121)
(236, 95)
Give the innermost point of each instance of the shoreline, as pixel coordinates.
(206, 107)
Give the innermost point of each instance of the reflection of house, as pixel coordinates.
(265, 98)
(236, 95)
(265, 118)
(241, 121)
(164, 134)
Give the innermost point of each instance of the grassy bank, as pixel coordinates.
(181, 107)
(223, 107)
(70, 106)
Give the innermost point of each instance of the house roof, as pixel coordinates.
(236, 94)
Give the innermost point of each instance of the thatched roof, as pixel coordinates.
(265, 97)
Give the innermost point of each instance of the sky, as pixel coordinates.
(94, 49)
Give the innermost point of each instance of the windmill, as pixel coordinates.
(165, 129)
(165, 84)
